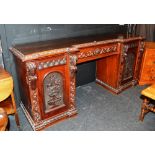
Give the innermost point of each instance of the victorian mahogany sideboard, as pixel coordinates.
(147, 75)
(46, 72)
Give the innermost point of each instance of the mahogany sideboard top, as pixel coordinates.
(44, 48)
(46, 71)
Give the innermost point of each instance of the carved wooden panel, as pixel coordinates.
(128, 62)
(128, 69)
(53, 91)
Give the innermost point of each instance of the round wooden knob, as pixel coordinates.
(3, 119)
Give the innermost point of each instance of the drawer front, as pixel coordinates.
(148, 68)
(150, 53)
(148, 74)
(150, 61)
(91, 53)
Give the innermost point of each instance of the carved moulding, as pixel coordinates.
(31, 80)
(43, 123)
(72, 93)
(52, 63)
(97, 51)
(123, 56)
(120, 88)
(40, 54)
(139, 58)
(73, 68)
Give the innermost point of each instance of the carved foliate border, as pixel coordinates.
(52, 63)
(123, 56)
(97, 51)
(73, 68)
(42, 124)
(139, 58)
(37, 55)
(31, 81)
(133, 82)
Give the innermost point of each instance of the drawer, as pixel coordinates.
(150, 61)
(91, 53)
(150, 53)
(148, 73)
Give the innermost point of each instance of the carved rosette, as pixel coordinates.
(73, 68)
(31, 80)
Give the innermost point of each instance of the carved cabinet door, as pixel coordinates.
(129, 55)
(53, 84)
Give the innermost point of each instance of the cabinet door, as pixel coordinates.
(129, 55)
(53, 84)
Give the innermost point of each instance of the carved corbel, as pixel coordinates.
(31, 74)
(73, 67)
(31, 81)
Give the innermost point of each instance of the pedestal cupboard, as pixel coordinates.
(46, 72)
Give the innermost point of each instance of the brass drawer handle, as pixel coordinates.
(152, 70)
(152, 77)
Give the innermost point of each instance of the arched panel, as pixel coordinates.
(128, 70)
(53, 91)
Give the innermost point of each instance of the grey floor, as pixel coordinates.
(100, 110)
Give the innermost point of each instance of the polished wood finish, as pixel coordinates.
(46, 72)
(121, 71)
(149, 92)
(147, 75)
(149, 97)
(7, 101)
(3, 119)
(6, 84)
